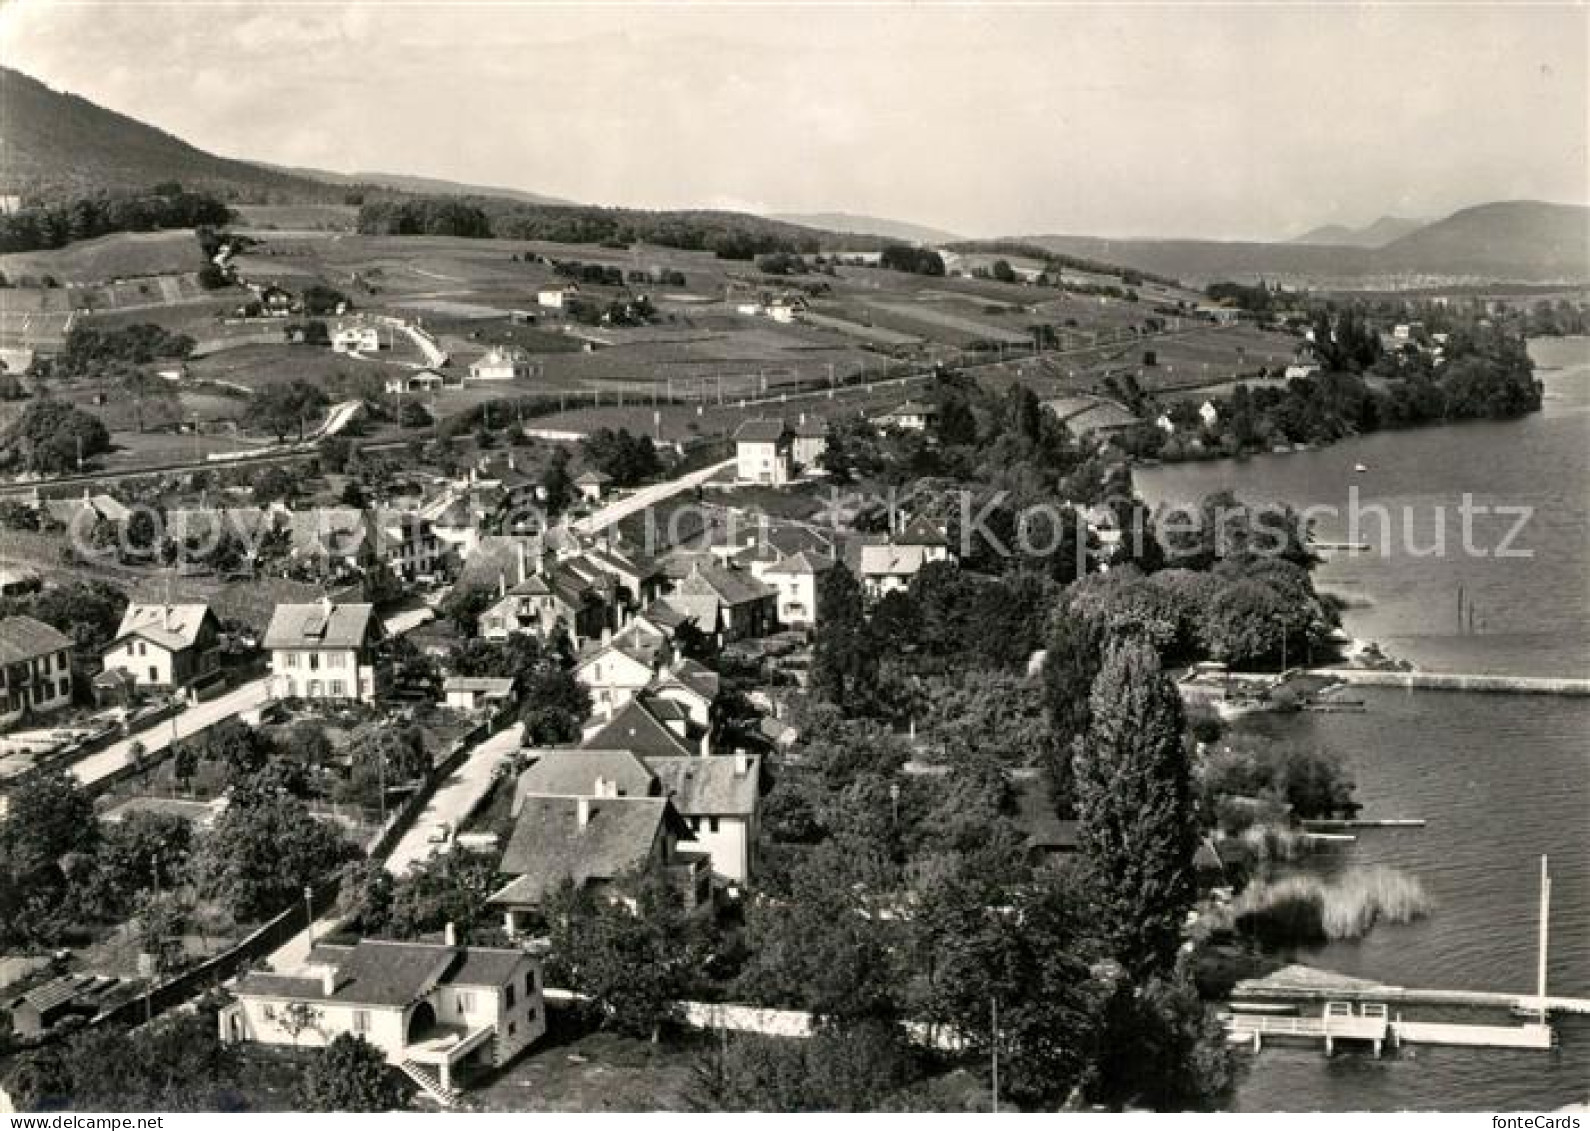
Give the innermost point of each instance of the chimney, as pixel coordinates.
(607, 636)
(450, 935)
(325, 603)
(582, 812)
(706, 744)
(524, 556)
(742, 763)
(166, 617)
(328, 982)
(502, 584)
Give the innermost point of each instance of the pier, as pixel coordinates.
(1457, 681)
(1372, 1024)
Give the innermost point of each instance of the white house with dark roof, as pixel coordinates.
(430, 1008)
(908, 416)
(737, 602)
(615, 671)
(324, 651)
(473, 692)
(593, 484)
(502, 363)
(163, 645)
(720, 799)
(35, 669)
(795, 577)
(764, 452)
(811, 440)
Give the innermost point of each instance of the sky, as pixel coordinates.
(1223, 121)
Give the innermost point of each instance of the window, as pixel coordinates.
(336, 689)
(292, 659)
(337, 660)
(143, 649)
(154, 675)
(712, 824)
(507, 999)
(361, 1021)
(530, 1014)
(66, 686)
(466, 1003)
(529, 983)
(512, 1028)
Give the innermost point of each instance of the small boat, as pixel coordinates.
(1360, 468)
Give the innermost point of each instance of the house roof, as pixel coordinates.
(812, 426)
(23, 638)
(502, 355)
(171, 626)
(802, 563)
(549, 845)
(320, 625)
(910, 408)
(389, 973)
(709, 787)
(573, 771)
(892, 561)
(761, 431)
(593, 478)
(489, 684)
(56, 992)
(732, 587)
(637, 728)
(1036, 816)
(922, 531)
(693, 676)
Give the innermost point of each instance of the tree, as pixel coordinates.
(448, 888)
(1002, 271)
(351, 1074)
(556, 483)
(554, 706)
(287, 405)
(1136, 832)
(53, 436)
(263, 851)
(844, 662)
(272, 484)
(50, 816)
(852, 1068)
(1072, 658)
(633, 966)
(1160, 1048)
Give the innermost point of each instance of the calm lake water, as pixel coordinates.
(1501, 779)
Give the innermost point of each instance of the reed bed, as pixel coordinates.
(1311, 909)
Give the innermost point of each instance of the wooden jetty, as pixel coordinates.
(1371, 1023)
(1334, 824)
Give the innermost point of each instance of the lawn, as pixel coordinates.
(595, 1072)
(120, 255)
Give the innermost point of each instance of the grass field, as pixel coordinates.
(267, 218)
(596, 1072)
(120, 255)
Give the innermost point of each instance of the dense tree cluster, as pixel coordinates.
(88, 350)
(42, 226)
(915, 260)
(627, 458)
(423, 216)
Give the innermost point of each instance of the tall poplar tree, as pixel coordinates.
(1134, 804)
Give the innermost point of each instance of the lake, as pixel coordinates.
(1500, 778)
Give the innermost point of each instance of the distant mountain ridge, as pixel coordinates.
(1383, 231)
(854, 224)
(423, 186)
(1527, 241)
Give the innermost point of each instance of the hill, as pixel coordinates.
(421, 186)
(1514, 241)
(852, 224)
(1379, 234)
(1522, 239)
(62, 145)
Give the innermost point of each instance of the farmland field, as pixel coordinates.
(295, 217)
(120, 255)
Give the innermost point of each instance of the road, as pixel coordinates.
(201, 716)
(637, 501)
(455, 798)
(452, 802)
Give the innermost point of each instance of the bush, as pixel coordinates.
(1303, 909)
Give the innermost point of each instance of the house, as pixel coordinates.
(890, 566)
(356, 337)
(795, 578)
(810, 441)
(1301, 371)
(764, 452)
(42, 1007)
(785, 309)
(430, 1008)
(165, 645)
(340, 539)
(557, 297)
(35, 669)
(592, 484)
(1209, 414)
(550, 593)
(690, 685)
(616, 671)
(599, 843)
(1047, 836)
(738, 604)
(502, 363)
(324, 650)
(419, 381)
(472, 693)
(1085, 416)
(910, 416)
(720, 799)
(407, 545)
(639, 577)
(651, 728)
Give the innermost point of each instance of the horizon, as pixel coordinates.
(944, 116)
